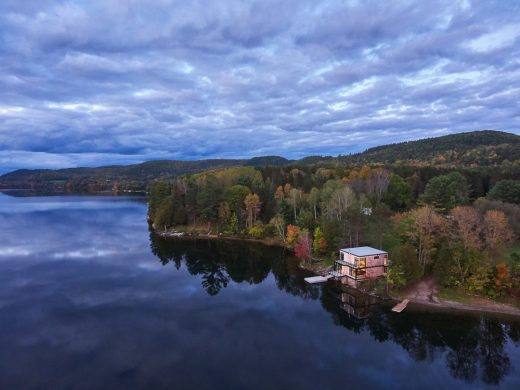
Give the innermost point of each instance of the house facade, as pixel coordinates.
(359, 264)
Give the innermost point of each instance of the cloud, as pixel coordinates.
(103, 82)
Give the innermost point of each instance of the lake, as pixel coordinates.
(89, 298)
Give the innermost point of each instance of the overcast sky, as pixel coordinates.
(106, 82)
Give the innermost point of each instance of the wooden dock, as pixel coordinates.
(317, 279)
(400, 306)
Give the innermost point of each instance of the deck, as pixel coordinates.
(401, 306)
(317, 279)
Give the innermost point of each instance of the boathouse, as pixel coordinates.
(359, 264)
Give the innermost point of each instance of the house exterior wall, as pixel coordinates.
(374, 266)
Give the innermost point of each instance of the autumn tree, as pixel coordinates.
(303, 246)
(377, 183)
(279, 224)
(497, 231)
(422, 227)
(279, 194)
(467, 224)
(292, 234)
(502, 278)
(224, 213)
(252, 203)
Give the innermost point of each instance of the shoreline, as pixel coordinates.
(491, 308)
(498, 309)
(186, 236)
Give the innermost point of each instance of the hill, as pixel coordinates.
(472, 149)
(122, 177)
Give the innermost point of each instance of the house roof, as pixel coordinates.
(364, 251)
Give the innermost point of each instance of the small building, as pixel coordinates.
(359, 264)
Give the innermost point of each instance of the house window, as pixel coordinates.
(376, 257)
(350, 271)
(361, 272)
(385, 260)
(363, 262)
(385, 269)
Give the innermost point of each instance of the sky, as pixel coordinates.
(97, 82)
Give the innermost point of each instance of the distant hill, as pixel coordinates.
(472, 149)
(476, 148)
(129, 177)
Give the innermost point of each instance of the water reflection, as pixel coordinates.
(472, 347)
(84, 302)
(219, 262)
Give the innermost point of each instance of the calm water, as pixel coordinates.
(89, 299)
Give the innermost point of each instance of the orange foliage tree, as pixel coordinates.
(467, 224)
(292, 234)
(497, 231)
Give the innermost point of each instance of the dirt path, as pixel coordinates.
(423, 291)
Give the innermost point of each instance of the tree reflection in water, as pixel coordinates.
(473, 346)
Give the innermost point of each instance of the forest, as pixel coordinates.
(460, 225)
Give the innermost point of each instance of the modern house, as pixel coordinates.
(359, 264)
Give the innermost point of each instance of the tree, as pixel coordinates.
(399, 195)
(235, 197)
(252, 203)
(339, 202)
(502, 278)
(292, 234)
(455, 264)
(279, 194)
(506, 191)
(208, 194)
(319, 243)
(446, 191)
(468, 223)
(233, 223)
(377, 183)
(314, 200)
(423, 228)
(303, 246)
(224, 213)
(158, 192)
(395, 276)
(163, 215)
(406, 256)
(279, 223)
(497, 231)
(295, 197)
